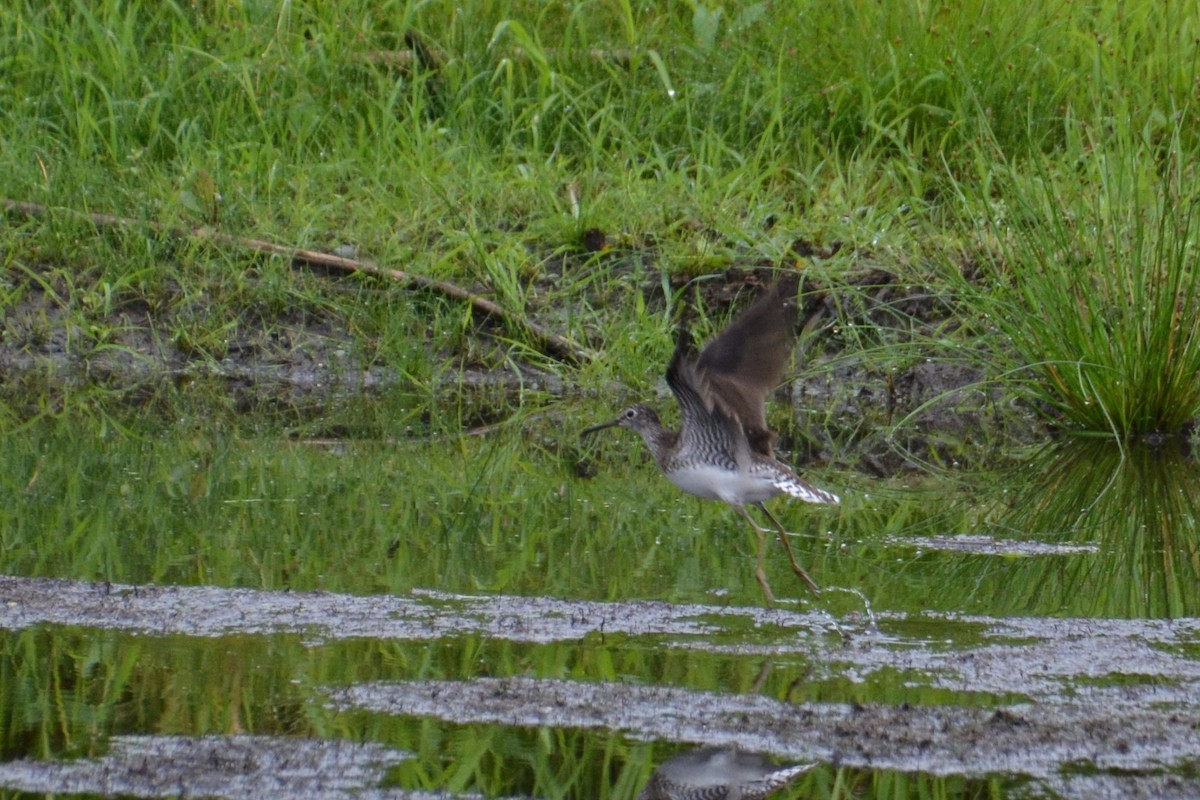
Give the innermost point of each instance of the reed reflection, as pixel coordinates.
(1140, 505)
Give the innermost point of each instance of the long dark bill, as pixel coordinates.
(600, 427)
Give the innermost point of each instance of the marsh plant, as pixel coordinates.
(1094, 286)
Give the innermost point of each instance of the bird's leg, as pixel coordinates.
(783, 539)
(759, 572)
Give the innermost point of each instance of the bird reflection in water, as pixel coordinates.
(719, 773)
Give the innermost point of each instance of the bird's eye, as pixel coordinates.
(630, 413)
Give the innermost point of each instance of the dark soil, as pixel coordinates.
(295, 366)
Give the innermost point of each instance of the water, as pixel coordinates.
(457, 618)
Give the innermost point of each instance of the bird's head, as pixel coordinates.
(637, 417)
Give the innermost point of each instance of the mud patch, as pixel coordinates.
(1034, 657)
(1123, 787)
(214, 611)
(989, 546)
(1067, 702)
(1123, 734)
(234, 767)
(180, 352)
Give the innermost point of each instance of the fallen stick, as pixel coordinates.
(551, 343)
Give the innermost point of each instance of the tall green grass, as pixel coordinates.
(697, 137)
(293, 115)
(1096, 284)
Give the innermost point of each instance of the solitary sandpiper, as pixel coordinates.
(724, 449)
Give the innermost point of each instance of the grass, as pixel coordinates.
(1011, 188)
(1094, 284)
(479, 145)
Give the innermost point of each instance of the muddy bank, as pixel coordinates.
(1123, 730)
(1036, 658)
(296, 363)
(424, 615)
(233, 767)
(1081, 707)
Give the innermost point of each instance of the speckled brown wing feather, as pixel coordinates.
(744, 363)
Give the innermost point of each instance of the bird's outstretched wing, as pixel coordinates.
(738, 369)
(706, 429)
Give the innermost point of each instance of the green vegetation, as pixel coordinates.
(996, 201)
(481, 144)
(1095, 285)
(497, 515)
(501, 514)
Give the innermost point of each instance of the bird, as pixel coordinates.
(719, 773)
(724, 449)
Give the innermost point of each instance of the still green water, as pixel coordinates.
(1080, 531)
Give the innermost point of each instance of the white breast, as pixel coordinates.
(714, 483)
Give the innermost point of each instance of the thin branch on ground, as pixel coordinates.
(551, 343)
